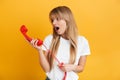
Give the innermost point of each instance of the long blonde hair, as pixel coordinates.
(63, 12)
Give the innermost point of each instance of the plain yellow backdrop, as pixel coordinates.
(97, 20)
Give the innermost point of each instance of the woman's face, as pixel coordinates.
(59, 25)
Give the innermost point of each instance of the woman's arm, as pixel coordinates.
(43, 61)
(76, 68)
(42, 56)
(80, 67)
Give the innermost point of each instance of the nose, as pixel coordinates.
(54, 22)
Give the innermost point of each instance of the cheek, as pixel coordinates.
(64, 24)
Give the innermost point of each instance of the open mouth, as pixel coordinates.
(56, 28)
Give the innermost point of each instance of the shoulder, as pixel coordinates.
(49, 37)
(82, 39)
(83, 46)
(47, 42)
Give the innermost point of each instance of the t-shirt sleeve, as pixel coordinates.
(46, 43)
(85, 47)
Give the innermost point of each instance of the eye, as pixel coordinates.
(51, 20)
(57, 18)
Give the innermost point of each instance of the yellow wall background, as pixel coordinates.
(97, 20)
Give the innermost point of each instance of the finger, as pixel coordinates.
(32, 41)
(35, 42)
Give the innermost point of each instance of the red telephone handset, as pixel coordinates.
(24, 30)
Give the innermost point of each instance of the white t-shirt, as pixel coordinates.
(63, 55)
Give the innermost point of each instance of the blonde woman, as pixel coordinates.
(65, 44)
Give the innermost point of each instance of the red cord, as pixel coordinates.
(65, 74)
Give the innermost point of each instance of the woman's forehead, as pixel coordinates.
(54, 16)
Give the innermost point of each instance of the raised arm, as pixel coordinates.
(42, 56)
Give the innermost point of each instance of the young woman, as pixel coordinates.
(67, 50)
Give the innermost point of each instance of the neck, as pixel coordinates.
(64, 36)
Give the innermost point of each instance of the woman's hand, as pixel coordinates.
(76, 68)
(67, 67)
(34, 44)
